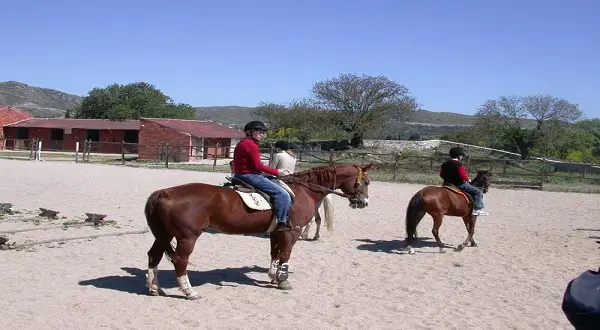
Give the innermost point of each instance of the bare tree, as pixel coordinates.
(364, 103)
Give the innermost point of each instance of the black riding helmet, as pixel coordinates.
(255, 125)
(456, 152)
(283, 145)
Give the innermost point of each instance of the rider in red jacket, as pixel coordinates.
(248, 168)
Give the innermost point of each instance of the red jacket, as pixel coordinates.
(246, 159)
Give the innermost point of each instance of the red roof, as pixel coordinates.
(100, 124)
(200, 129)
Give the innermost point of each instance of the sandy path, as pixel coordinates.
(355, 278)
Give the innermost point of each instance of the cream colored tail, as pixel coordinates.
(328, 207)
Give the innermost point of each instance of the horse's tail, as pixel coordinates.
(328, 208)
(157, 227)
(414, 214)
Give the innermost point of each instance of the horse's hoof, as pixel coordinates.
(153, 292)
(474, 244)
(442, 250)
(273, 281)
(284, 285)
(459, 248)
(193, 296)
(411, 251)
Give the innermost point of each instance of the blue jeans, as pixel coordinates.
(473, 191)
(280, 197)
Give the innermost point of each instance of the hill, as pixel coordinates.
(39, 102)
(50, 103)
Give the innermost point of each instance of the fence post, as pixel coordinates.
(215, 160)
(167, 155)
(542, 174)
(32, 147)
(395, 167)
(330, 157)
(468, 164)
(39, 150)
(122, 152)
(77, 152)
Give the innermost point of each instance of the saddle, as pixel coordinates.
(455, 189)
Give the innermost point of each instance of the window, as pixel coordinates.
(131, 136)
(57, 134)
(93, 134)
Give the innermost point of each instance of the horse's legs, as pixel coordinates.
(185, 247)
(304, 234)
(285, 241)
(274, 261)
(473, 219)
(469, 221)
(318, 223)
(155, 255)
(437, 223)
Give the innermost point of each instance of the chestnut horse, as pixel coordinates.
(183, 212)
(439, 201)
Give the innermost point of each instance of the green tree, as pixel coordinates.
(299, 120)
(523, 124)
(364, 103)
(132, 101)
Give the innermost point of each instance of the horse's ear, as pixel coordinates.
(367, 167)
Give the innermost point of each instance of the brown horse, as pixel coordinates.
(183, 212)
(439, 201)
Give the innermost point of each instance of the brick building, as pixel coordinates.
(188, 139)
(10, 115)
(62, 134)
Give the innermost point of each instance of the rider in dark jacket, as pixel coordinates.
(455, 173)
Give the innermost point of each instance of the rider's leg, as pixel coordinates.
(281, 198)
(477, 196)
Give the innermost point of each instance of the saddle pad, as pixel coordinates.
(460, 192)
(254, 201)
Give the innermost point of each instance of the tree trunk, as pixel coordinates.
(356, 141)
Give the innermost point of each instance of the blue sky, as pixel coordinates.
(452, 55)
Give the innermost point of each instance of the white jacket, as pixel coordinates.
(284, 162)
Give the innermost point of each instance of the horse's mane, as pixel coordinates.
(319, 173)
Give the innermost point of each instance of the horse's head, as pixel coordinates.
(354, 181)
(483, 180)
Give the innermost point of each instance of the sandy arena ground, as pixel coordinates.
(354, 278)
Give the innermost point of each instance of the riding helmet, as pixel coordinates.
(283, 145)
(455, 152)
(255, 125)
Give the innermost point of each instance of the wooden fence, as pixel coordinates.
(396, 166)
